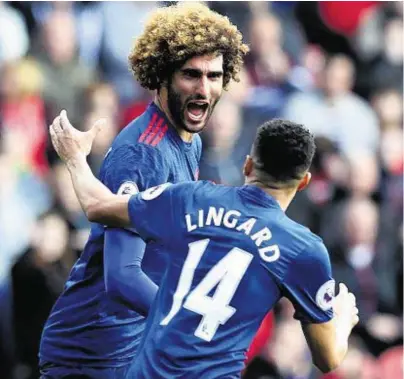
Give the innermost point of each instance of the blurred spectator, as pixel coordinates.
(218, 162)
(22, 198)
(101, 102)
(358, 363)
(65, 77)
(117, 39)
(329, 175)
(360, 263)
(14, 40)
(268, 66)
(267, 63)
(387, 69)
(66, 199)
(292, 360)
(22, 111)
(388, 105)
(307, 74)
(38, 278)
(363, 173)
(391, 363)
(335, 111)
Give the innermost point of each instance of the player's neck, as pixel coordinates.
(283, 196)
(184, 135)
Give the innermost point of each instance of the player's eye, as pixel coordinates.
(191, 74)
(215, 75)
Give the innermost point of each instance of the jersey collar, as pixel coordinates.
(172, 132)
(260, 196)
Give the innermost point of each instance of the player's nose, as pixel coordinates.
(203, 87)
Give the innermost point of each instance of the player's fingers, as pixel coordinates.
(355, 320)
(64, 121)
(355, 311)
(98, 125)
(56, 125)
(54, 137)
(343, 289)
(352, 298)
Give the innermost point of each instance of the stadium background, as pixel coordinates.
(334, 66)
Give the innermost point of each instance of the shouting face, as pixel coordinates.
(194, 91)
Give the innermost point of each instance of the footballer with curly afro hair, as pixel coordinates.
(189, 54)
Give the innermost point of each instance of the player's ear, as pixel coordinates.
(248, 166)
(304, 182)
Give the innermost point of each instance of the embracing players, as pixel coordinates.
(188, 55)
(226, 246)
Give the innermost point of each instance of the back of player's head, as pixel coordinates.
(282, 153)
(174, 34)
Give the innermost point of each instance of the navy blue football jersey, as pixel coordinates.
(87, 327)
(232, 254)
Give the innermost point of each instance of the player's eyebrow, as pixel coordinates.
(194, 72)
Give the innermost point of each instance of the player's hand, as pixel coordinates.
(70, 143)
(345, 306)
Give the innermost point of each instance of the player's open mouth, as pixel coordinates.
(196, 110)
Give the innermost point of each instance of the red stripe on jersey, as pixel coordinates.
(153, 133)
(160, 136)
(148, 129)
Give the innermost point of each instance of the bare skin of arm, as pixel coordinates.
(328, 342)
(98, 202)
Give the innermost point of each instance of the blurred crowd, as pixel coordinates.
(337, 67)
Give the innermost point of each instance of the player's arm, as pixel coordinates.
(125, 281)
(328, 341)
(129, 169)
(309, 285)
(124, 278)
(98, 202)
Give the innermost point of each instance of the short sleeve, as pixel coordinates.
(151, 213)
(130, 169)
(309, 285)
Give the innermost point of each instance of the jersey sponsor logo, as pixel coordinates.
(154, 192)
(128, 188)
(325, 295)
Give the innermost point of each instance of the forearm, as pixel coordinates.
(328, 343)
(342, 333)
(97, 201)
(134, 289)
(125, 280)
(90, 192)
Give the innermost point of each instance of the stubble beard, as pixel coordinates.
(177, 110)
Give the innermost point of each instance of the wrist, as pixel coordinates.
(76, 161)
(343, 328)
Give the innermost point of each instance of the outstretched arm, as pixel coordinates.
(98, 202)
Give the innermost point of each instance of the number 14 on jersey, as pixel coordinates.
(225, 274)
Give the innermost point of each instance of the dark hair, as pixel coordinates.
(282, 152)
